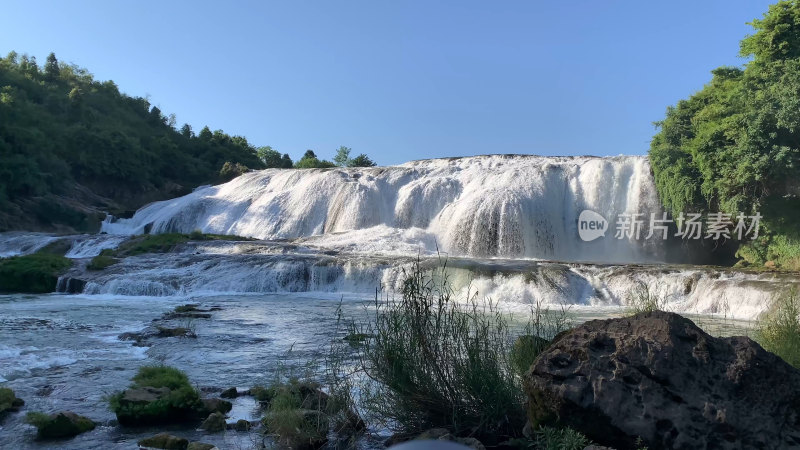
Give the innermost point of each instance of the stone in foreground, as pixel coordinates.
(658, 377)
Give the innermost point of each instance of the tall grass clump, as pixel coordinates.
(778, 330)
(644, 299)
(435, 362)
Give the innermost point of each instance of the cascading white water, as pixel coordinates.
(353, 230)
(484, 206)
(214, 268)
(17, 243)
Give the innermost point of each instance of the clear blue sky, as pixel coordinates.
(400, 80)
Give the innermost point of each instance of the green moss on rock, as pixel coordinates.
(101, 262)
(37, 273)
(9, 402)
(64, 424)
(158, 395)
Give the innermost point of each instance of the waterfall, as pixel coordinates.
(508, 206)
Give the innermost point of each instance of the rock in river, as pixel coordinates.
(658, 377)
(165, 441)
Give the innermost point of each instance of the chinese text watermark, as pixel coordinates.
(715, 226)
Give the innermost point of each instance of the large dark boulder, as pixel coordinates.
(658, 377)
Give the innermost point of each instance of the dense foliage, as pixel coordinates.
(62, 129)
(734, 146)
(35, 273)
(310, 161)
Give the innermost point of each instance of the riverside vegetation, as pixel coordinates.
(733, 146)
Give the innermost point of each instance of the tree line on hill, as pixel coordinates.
(72, 146)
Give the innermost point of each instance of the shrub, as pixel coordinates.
(101, 262)
(778, 330)
(181, 403)
(9, 401)
(230, 171)
(298, 414)
(151, 243)
(262, 393)
(433, 362)
(36, 273)
(161, 376)
(548, 438)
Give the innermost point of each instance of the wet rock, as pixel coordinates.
(64, 424)
(443, 434)
(219, 405)
(143, 395)
(45, 391)
(214, 422)
(154, 406)
(200, 446)
(71, 285)
(140, 338)
(229, 393)
(165, 332)
(190, 315)
(240, 425)
(313, 397)
(165, 441)
(658, 377)
(137, 338)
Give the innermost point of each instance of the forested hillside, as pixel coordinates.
(71, 147)
(734, 146)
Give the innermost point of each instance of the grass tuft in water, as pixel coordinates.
(778, 330)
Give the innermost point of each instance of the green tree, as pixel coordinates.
(286, 161)
(310, 161)
(361, 160)
(342, 158)
(205, 134)
(186, 131)
(51, 69)
(270, 156)
(735, 145)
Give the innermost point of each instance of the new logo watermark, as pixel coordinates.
(592, 225)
